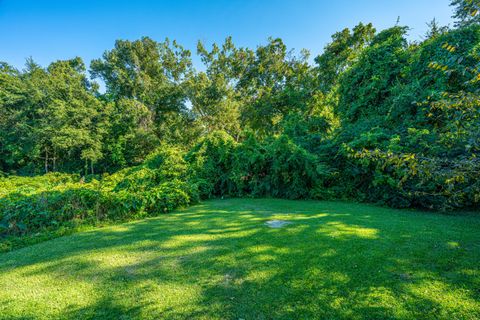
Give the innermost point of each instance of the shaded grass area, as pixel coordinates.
(218, 260)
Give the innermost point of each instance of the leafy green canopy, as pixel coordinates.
(466, 12)
(50, 118)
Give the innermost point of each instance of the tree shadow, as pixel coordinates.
(218, 260)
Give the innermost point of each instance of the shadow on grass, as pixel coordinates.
(219, 260)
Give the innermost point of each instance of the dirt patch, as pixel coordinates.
(277, 223)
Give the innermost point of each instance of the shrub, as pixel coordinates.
(410, 180)
(276, 167)
(63, 206)
(211, 162)
(48, 202)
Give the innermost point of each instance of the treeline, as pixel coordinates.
(375, 118)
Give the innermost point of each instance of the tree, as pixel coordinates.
(259, 87)
(365, 88)
(15, 125)
(130, 136)
(69, 122)
(466, 12)
(148, 79)
(434, 29)
(215, 103)
(146, 71)
(341, 53)
(274, 83)
(50, 117)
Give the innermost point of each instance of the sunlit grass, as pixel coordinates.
(218, 260)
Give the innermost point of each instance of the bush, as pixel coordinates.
(275, 167)
(211, 162)
(409, 180)
(62, 206)
(161, 184)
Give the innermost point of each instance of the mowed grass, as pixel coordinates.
(218, 260)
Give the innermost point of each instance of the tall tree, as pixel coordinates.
(146, 71)
(69, 119)
(146, 82)
(50, 118)
(274, 83)
(215, 102)
(16, 147)
(365, 88)
(466, 12)
(341, 53)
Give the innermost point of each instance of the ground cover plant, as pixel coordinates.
(218, 260)
(54, 204)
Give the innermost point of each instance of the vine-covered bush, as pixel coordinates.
(211, 162)
(408, 180)
(274, 167)
(161, 184)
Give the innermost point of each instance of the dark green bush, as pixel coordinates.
(211, 162)
(275, 167)
(23, 214)
(408, 180)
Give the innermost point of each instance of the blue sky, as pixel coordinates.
(51, 30)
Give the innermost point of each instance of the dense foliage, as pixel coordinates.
(32, 204)
(377, 118)
(274, 167)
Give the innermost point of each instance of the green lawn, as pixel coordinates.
(218, 260)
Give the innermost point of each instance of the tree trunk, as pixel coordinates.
(46, 160)
(54, 160)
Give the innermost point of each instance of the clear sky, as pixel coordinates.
(49, 30)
